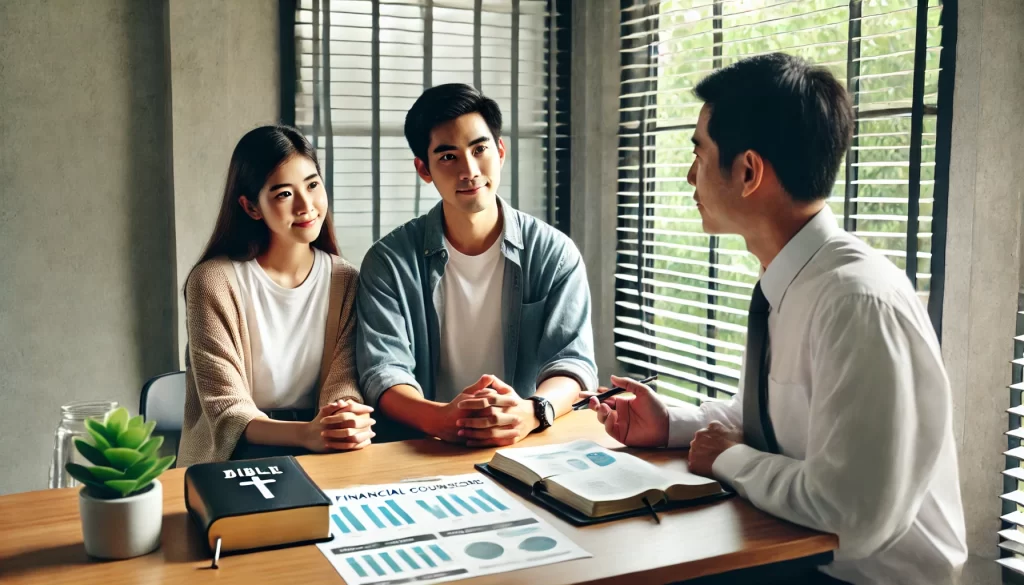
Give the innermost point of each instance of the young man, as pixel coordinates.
(474, 320)
(843, 419)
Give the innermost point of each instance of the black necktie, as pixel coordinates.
(757, 425)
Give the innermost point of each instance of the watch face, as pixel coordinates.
(549, 412)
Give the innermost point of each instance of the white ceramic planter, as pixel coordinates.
(124, 527)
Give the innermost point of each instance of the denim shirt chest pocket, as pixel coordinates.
(524, 323)
(531, 325)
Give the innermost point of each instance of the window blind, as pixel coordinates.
(361, 64)
(1011, 537)
(682, 295)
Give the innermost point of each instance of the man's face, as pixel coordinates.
(464, 163)
(717, 195)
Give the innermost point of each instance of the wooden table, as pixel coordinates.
(41, 536)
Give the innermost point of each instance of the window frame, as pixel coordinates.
(558, 23)
(634, 125)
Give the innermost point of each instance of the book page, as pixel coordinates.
(436, 530)
(620, 476)
(560, 459)
(596, 473)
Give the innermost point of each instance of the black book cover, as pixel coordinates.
(254, 486)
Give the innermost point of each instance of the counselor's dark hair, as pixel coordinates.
(444, 103)
(795, 115)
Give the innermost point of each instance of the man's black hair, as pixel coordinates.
(444, 103)
(795, 115)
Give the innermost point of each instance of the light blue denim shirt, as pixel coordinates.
(545, 307)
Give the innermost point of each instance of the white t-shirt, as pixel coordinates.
(286, 333)
(472, 343)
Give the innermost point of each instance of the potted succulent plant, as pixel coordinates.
(121, 500)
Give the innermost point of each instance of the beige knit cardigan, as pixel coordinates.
(218, 362)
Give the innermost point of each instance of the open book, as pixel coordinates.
(598, 481)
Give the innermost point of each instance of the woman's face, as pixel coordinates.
(293, 202)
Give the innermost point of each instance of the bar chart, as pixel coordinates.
(454, 505)
(399, 560)
(435, 530)
(365, 517)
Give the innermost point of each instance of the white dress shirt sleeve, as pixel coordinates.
(878, 412)
(686, 419)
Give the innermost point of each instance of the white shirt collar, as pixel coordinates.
(796, 254)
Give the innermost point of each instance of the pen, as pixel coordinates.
(580, 405)
(653, 513)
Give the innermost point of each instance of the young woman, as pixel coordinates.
(271, 316)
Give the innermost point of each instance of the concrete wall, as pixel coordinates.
(225, 81)
(594, 174)
(983, 269)
(93, 232)
(85, 295)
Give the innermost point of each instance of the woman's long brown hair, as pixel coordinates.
(257, 155)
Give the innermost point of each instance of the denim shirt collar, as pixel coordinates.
(433, 241)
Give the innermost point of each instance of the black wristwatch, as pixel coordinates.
(544, 411)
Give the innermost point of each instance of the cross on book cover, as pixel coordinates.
(257, 503)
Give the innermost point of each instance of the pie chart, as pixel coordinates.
(486, 550)
(538, 544)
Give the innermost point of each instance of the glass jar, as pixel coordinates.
(72, 426)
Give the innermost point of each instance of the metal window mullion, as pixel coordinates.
(916, 137)
(316, 75)
(650, 8)
(943, 139)
(289, 60)
(375, 119)
(428, 70)
(514, 130)
(563, 58)
(428, 44)
(552, 179)
(853, 87)
(478, 6)
(328, 163)
(711, 331)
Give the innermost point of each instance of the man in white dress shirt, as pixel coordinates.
(842, 422)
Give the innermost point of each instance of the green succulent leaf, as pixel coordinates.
(81, 473)
(117, 421)
(136, 421)
(141, 468)
(161, 466)
(121, 486)
(122, 458)
(103, 473)
(98, 432)
(94, 455)
(149, 426)
(131, 437)
(150, 447)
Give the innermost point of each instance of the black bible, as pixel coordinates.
(256, 504)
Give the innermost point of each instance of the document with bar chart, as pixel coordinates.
(438, 530)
